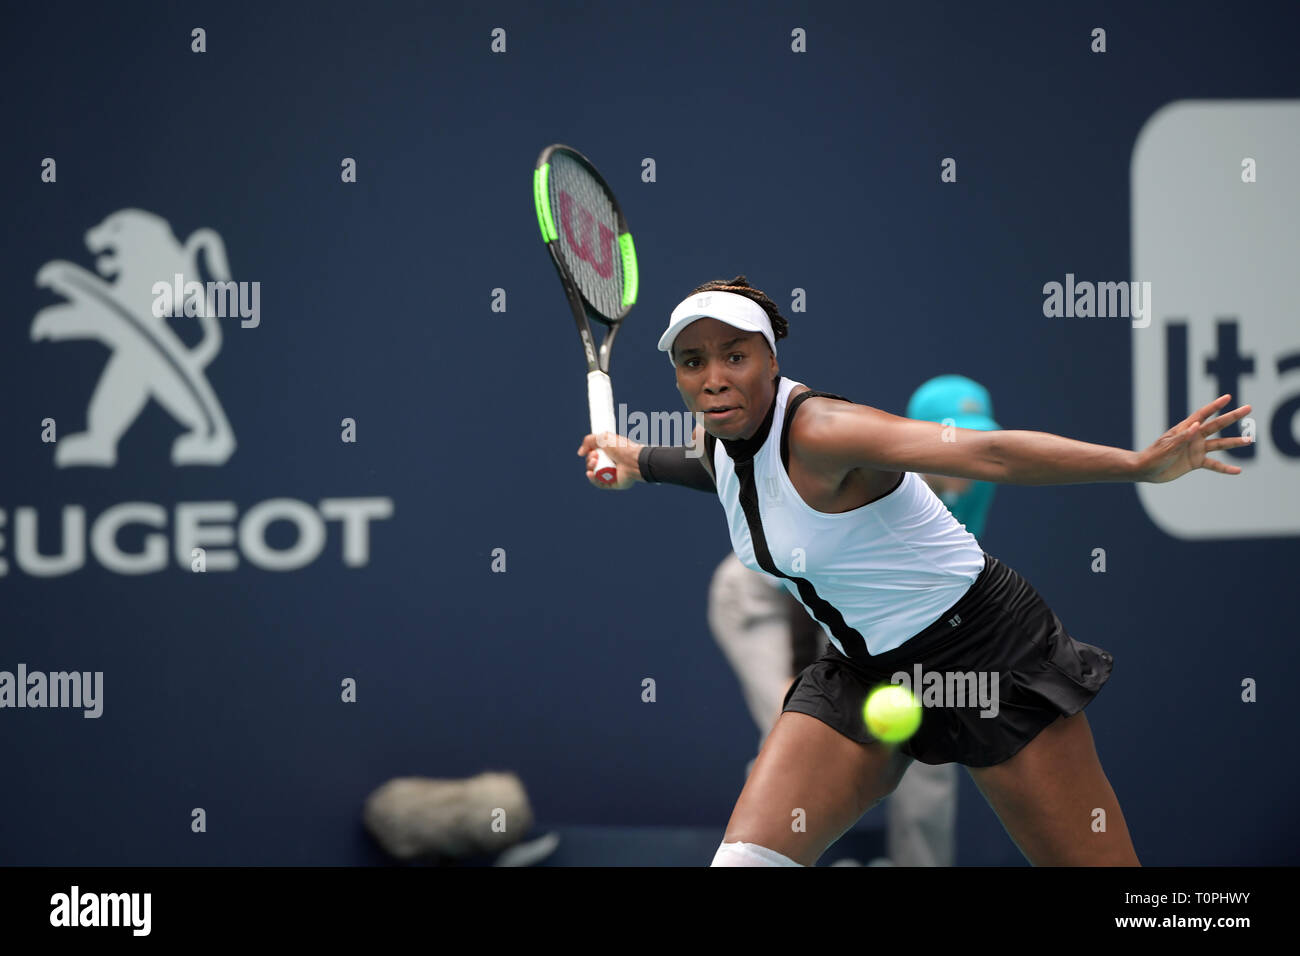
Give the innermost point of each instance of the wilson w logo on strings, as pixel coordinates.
(582, 242)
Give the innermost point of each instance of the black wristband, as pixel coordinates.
(669, 463)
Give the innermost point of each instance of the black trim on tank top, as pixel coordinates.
(742, 455)
(853, 643)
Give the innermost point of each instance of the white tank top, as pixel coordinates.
(872, 577)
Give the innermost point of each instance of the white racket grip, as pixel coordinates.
(600, 403)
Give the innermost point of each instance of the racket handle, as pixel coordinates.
(600, 404)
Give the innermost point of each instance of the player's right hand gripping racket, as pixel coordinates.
(584, 229)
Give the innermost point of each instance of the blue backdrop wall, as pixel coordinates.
(817, 171)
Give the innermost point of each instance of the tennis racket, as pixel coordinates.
(584, 230)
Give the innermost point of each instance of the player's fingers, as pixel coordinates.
(1220, 467)
(1223, 421)
(1207, 410)
(1218, 444)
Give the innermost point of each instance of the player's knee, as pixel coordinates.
(749, 854)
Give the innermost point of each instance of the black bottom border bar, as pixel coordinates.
(609, 904)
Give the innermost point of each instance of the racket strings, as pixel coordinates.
(588, 234)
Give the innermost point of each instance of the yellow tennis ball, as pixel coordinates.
(892, 713)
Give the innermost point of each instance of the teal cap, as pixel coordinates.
(957, 397)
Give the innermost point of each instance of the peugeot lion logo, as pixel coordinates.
(135, 249)
(141, 283)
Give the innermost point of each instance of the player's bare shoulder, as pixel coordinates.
(829, 435)
(816, 424)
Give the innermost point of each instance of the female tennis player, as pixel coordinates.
(826, 495)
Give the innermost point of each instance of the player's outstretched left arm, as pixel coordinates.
(837, 436)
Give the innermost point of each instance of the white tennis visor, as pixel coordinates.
(736, 310)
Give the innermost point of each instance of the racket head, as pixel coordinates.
(586, 231)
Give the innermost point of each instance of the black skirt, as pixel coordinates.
(995, 669)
